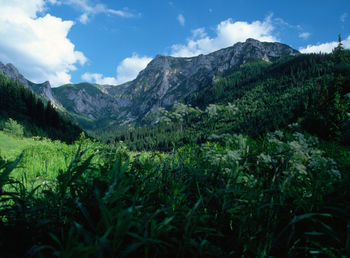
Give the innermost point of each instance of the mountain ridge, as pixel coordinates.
(43, 90)
(163, 82)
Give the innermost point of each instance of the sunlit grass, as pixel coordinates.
(232, 196)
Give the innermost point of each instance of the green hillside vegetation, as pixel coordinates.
(11, 146)
(27, 109)
(256, 167)
(258, 98)
(91, 89)
(284, 195)
(88, 124)
(37, 89)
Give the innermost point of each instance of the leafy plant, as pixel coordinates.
(13, 128)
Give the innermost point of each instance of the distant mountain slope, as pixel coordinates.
(20, 103)
(43, 89)
(256, 98)
(163, 82)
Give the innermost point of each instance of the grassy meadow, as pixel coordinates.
(284, 194)
(266, 175)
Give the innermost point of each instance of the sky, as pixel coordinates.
(111, 41)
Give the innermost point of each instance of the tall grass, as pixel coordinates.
(234, 196)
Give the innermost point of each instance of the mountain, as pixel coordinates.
(89, 104)
(43, 89)
(11, 71)
(163, 82)
(30, 116)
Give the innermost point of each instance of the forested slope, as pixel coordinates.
(38, 119)
(257, 98)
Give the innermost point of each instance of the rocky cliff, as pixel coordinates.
(11, 72)
(163, 82)
(43, 89)
(169, 79)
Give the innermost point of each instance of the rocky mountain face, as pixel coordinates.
(87, 100)
(43, 89)
(169, 79)
(163, 82)
(11, 72)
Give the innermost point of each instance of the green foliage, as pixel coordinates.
(231, 196)
(37, 119)
(230, 184)
(257, 98)
(329, 106)
(13, 128)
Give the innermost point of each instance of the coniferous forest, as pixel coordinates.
(255, 165)
(37, 118)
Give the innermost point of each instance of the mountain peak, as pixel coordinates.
(167, 79)
(163, 82)
(12, 72)
(251, 40)
(43, 89)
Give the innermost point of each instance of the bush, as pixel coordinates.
(13, 128)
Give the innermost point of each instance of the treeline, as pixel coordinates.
(257, 98)
(38, 119)
(291, 71)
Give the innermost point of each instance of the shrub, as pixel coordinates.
(13, 128)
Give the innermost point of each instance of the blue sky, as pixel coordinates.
(109, 42)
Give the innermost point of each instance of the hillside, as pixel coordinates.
(163, 82)
(37, 119)
(256, 167)
(43, 89)
(256, 98)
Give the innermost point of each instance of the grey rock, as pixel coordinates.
(42, 90)
(163, 82)
(169, 79)
(11, 72)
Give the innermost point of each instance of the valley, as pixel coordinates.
(243, 152)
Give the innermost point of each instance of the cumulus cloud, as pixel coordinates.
(324, 47)
(126, 71)
(227, 33)
(304, 35)
(99, 79)
(129, 68)
(181, 19)
(88, 10)
(37, 45)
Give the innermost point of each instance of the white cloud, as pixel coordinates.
(121, 13)
(343, 17)
(37, 46)
(84, 18)
(28, 8)
(98, 78)
(181, 19)
(54, 2)
(126, 71)
(324, 47)
(88, 9)
(227, 34)
(304, 35)
(129, 68)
